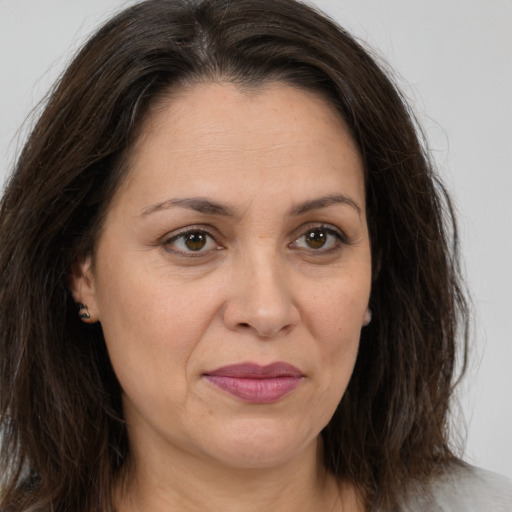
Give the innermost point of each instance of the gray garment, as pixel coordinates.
(463, 489)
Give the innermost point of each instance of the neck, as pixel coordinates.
(184, 483)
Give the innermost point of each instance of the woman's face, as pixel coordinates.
(232, 275)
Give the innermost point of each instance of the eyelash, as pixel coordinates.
(181, 234)
(341, 239)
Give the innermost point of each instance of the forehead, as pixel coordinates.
(211, 108)
(204, 135)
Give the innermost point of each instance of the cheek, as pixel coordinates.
(140, 295)
(152, 325)
(152, 317)
(334, 313)
(335, 320)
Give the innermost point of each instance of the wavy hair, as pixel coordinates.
(63, 438)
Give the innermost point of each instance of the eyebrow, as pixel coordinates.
(324, 202)
(208, 207)
(197, 204)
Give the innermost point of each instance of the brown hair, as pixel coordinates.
(63, 438)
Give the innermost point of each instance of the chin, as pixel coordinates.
(262, 446)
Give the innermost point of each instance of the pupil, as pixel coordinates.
(195, 241)
(316, 239)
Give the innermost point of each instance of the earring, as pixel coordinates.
(83, 312)
(367, 317)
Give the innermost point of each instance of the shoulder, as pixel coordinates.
(463, 489)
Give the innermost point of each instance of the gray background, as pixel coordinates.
(453, 60)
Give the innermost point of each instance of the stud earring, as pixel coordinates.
(367, 317)
(83, 312)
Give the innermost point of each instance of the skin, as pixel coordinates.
(261, 288)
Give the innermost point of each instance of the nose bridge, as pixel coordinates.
(262, 295)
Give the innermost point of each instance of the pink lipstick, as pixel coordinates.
(254, 383)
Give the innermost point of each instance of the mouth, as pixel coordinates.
(256, 384)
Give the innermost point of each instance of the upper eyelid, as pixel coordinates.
(189, 229)
(301, 231)
(210, 230)
(295, 235)
(172, 237)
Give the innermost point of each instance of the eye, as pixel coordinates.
(319, 238)
(191, 241)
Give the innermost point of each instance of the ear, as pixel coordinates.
(83, 290)
(367, 317)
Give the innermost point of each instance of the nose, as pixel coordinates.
(261, 298)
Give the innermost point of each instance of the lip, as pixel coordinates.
(254, 383)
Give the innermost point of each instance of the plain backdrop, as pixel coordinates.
(453, 60)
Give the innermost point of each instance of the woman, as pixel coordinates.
(229, 278)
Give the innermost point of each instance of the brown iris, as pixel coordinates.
(195, 241)
(316, 238)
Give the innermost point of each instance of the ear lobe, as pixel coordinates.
(82, 287)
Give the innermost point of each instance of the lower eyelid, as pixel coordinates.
(167, 241)
(340, 237)
(170, 240)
